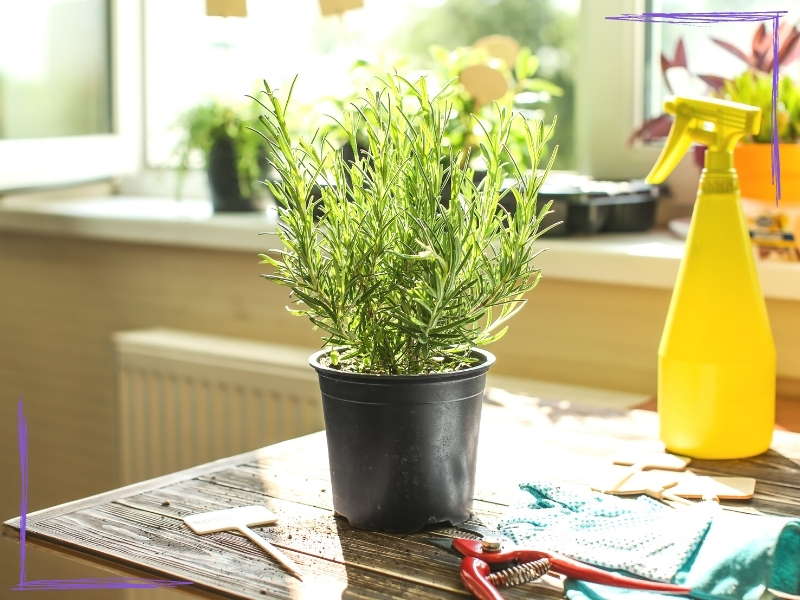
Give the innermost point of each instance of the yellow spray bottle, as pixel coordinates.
(716, 360)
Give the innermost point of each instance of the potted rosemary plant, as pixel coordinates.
(406, 291)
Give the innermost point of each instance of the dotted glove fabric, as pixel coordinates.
(718, 554)
(637, 535)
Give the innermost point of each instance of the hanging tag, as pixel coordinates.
(337, 7)
(226, 8)
(500, 46)
(483, 83)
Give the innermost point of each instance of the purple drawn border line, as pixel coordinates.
(64, 584)
(729, 17)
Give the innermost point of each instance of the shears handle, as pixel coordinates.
(578, 570)
(474, 573)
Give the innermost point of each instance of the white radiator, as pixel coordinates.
(187, 398)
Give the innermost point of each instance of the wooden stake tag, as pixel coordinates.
(683, 485)
(724, 488)
(500, 46)
(226, 8)
(483, 83)
(337, 7)
(641, 461)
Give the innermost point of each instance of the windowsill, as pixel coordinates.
(139, 219)
(647, 259)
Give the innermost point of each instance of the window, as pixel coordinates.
(704, 57)
(54, 46)
(619, 85)
(190, 56)
(63, 91)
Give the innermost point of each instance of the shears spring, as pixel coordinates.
(519, 574)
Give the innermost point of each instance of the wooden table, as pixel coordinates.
(137, 530)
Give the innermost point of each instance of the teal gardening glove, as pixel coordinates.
(718, 554)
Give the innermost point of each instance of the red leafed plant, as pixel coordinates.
(760, 59)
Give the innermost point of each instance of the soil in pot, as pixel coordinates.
(402, 449)
(226, 196)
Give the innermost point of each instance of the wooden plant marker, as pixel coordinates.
(656, 484)
(483, 83)
(500, 46)
(640, 461)
(679, 487)
(226, 8)
(338, 7)
(722, 488)
(241, 519)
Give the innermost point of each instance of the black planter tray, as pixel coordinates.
(600, 206)
(579, 206)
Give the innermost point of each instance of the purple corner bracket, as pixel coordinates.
(64, 584)
(701, 19)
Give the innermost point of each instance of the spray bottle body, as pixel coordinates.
(716, 377)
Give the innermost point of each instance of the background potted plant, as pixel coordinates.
(522, 93)
(759, 63)
(406, 290)
(753, 156)
(233, 155)
(775, 231)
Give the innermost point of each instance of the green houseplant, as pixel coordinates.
(233, 155)
(406, 290)
(525, 94)
(754, 155)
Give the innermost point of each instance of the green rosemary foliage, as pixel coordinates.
(399, 283)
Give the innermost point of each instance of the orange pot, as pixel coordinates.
(754, 164)
(774, 230)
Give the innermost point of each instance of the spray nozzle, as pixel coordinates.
(719, 124)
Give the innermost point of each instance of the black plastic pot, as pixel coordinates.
(508, 201)
(226, 196)
(560, 196)
(589, 215)
(634, 211)
(402, 448)
(349, 156)
(477, 177)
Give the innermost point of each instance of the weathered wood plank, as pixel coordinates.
(223, 562)
(769, 467)
(297, 445)
(232, 565)
(315, 531)
(272, 481)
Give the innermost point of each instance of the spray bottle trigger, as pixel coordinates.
(676, 146)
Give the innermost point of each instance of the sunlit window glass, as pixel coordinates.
(190, 56)
(54, 68)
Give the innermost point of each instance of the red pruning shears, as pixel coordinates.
(494, 562)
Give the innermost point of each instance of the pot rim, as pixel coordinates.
(483, 366)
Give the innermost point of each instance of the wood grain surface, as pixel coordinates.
(139, 529)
